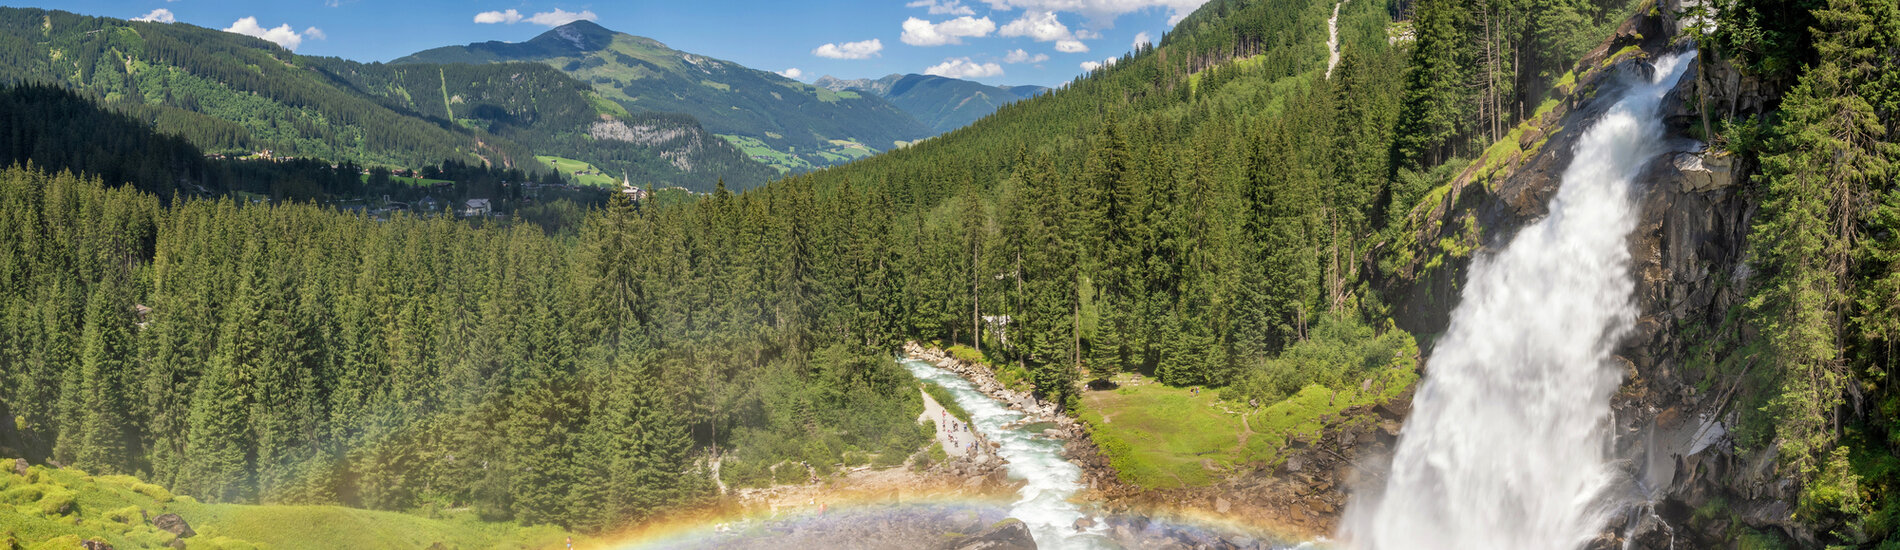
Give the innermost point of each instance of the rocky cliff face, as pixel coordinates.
(1691, 484)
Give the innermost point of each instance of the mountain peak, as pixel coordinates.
(580, 36)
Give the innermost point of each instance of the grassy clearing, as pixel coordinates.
(412, 182)
(758, 150)
(59, 508)
(1160, 437)
(590, 175)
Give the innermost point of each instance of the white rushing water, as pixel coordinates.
(1508, 441)
(1049, 478)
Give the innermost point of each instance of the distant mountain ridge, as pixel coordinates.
(942, 103)
(229, 93)
(782, 122)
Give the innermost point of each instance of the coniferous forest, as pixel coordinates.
(1215, 210)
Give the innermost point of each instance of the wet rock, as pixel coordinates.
(1084, 523)
(1221, 505)
(95, 544)
(1704, 172)
(1009, 534)
(172, 523)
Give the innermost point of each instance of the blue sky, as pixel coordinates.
(1044, 42)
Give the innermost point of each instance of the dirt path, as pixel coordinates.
(1332, 40)
(953, 434)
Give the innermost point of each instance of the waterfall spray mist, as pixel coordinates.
(1507, 444)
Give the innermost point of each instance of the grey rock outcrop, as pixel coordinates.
(1009, 534)
(174, 524)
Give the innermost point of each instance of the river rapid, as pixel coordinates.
(1050, 481)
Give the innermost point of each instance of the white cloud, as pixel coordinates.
(792, 73)
(1020, 56)
(850, 50)
(560, 17)
(491, 17)
(160, 15)
(918, 32)
(1093, 65)
(554, 18)
(1101, 13)
(962, 67)
(943, 7)
(1142, 39)
(1040, 26)
(283, 35)
(1043, 26)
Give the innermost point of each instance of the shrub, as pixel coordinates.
(24, 494)
(59, 543)
(130, 515)
(58, 502)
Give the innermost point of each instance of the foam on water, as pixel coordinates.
(1050, 480)
(1507, 445)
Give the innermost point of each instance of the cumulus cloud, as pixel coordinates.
(283, 35)
(1142, 39)
(554, 18)
(1101, 13)
(1020, 56)
(1093, 65)
(962, 67)
(865, 49)
(918, 32)
(943, 7)
(160, 15)
(509, 17)
(1041, 26)
(560, 17)
(792, 73)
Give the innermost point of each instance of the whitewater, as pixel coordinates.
(1508, 442)
(1049, 479)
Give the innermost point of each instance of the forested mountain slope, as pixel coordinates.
(552, 114)
(942, 103)
(785, 123)
(227, 93)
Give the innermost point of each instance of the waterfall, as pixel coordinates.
(1508, 441)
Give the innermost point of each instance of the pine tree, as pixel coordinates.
(106, 431)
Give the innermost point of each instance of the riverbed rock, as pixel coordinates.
(1009, 534)
(1084, 523)
(174, 524)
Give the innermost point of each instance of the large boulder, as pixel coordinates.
(172, 523)
(1009, 534)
